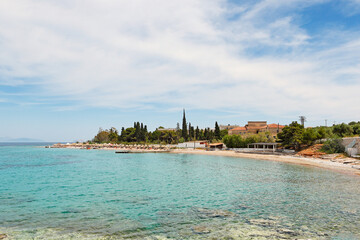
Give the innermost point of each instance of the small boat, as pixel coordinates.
(122, 151)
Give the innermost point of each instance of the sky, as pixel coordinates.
(69, 67)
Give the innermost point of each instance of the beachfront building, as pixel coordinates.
(216, 146)
(254, 127)
(193, 144)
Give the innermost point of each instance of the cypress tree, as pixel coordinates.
(217, 131)
(184, 132)
(137, 132)
(190, 133)
(197, 133)
(142, 133)
(145, 133)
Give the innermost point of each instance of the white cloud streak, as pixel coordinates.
(188, 53)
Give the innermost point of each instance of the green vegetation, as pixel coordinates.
(292, 135)
(237, 141)
(139, 134)
(184, 132)
(295, 136)
(217, 131)
(333, 145)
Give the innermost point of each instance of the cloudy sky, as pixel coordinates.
(69, 67)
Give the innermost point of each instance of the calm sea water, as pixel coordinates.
(97, 194)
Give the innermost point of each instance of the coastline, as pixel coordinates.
(304, 161)
(335, 165)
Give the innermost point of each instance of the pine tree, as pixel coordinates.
(217, 131)
(184, 132)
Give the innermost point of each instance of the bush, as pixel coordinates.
(333, 145)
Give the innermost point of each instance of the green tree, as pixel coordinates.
(113, 135)
(102, 136)
(234, 141)
(291, 136)
(217, 131)
(197, 133)
(184, 133)
(343, 130)
(356, 128)
(190, 132)
(128, 135)
(333, 145)
(223, 133)
(309, 136)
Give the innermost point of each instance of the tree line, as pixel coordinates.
(140, 134)
(296, 136)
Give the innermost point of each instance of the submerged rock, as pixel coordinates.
(200, 230)
(3, 236)
(263, 222)
(213, 213)
(287, 232)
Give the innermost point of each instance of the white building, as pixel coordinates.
(193, 144)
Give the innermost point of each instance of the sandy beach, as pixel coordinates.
(343, 165)
(305, 161)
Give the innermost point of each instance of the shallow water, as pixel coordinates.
(94, 194)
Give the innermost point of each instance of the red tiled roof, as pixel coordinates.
(238, 129)
(274, 125)
(257, 127)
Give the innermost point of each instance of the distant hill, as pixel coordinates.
(7, 139)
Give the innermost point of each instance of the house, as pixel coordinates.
(254, 127)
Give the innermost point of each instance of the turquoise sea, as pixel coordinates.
(97, 194)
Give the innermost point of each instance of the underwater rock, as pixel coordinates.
(243, 207)
(287, 232)
(213, 213)
(200, 230)
(263, 222)
(3, 236)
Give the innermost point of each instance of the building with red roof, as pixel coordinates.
(254, 127)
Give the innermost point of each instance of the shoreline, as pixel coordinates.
(298, 160)
(344, 167)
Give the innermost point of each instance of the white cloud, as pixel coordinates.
(176, 53)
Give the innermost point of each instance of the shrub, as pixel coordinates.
(333, 145)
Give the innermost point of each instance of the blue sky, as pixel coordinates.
(68, 68)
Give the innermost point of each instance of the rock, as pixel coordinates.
(3, 236)
(243, 207)
(200, 230)
(287, 232)
(213, 213)
(263, 222)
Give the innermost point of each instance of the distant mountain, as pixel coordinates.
(7, 139)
